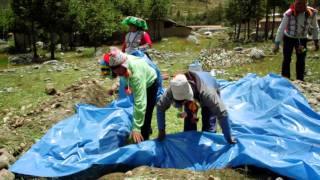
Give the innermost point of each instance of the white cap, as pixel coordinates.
(181, 89)
(117, 57)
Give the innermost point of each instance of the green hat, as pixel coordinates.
(136, 22)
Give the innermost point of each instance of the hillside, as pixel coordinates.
(193, 6)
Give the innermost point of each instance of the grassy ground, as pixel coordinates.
(30, 86)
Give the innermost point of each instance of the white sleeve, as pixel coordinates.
(280, 32)
(315, 26)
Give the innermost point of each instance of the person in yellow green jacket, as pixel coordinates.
(141, 81)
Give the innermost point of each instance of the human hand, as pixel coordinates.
(232, 141)
(276, 48)
(136, 136)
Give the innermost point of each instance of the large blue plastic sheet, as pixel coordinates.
(271, 120)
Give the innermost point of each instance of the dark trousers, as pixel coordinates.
(288, 45)
(208, 121)
(151, 102)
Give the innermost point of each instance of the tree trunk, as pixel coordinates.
(34, 47)
(52, 45)
(16, 46)
(248, 30)
(234, 35)
(3, 33)
(239, 31)
(257, 29)
(266, 26)
(273, 21)
(71, 44)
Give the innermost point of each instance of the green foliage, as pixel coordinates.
(5, 18)
(98, 19)
(159, 9)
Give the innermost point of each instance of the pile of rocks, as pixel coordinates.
(5, 160)
(57, 66)
(164, 55)
(20, 59)
(312, 93)
(216, 58)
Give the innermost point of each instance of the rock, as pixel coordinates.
(76, 68)
(10, 90)
(62, 54)
(6, 175)
(99, 52)
(208, 34)
(11, 70)
(47, 79)
(237, 49)
(128, 173)
(211, 177)
(58, 47)
(56, 105)
(80, 49)
(21, 59)
(6, 119)
(313, 102)
(193, 39)
(3, 41)
(40, 44)
(257, 54)
(318, 97)
(279, 178)
(23, 108)
(50, 90)
(51, 62)
(309, 73)
(36, 67)
(5, 159)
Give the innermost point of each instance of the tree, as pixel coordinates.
(5, 20)
(98, 23)
(158, 10)
(53, 12)
(25, 20)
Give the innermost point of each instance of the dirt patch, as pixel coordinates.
(20, 130)
(145, 172)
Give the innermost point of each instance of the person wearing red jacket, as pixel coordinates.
(137, 38)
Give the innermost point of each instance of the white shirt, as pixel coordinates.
(300, 28)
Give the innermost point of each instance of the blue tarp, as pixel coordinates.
(271, 120)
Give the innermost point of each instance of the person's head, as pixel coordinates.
(300, 5)
(105, 67)
(118, 61)
(181, 89)
(133, 28)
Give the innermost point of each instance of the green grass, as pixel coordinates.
(3, 60)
